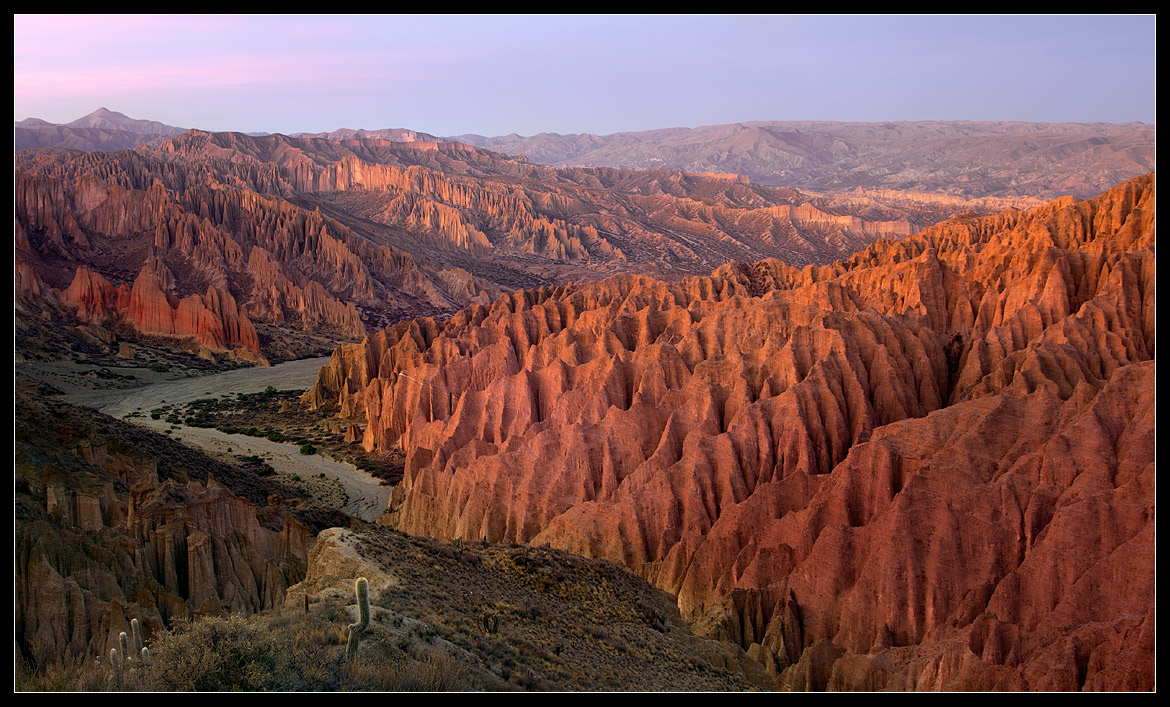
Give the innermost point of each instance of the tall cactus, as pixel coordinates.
(136, 631)
(114, 679)
(124, 644)
(362, 589)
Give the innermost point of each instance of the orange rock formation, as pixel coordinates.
(334, 236)
(213, 320)
(929, 466)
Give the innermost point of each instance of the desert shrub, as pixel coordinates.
(431, 674)
(71, 673)
(216, 654)
(308, 449)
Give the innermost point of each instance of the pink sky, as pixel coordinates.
(498, 74)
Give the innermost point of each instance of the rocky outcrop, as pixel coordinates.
(335, 561)
(111, 527)
(213, 320)
(909, 469)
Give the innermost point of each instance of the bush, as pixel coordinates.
(216, 654)
(70, 673)
(308, 449)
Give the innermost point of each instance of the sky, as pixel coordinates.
(495, 75)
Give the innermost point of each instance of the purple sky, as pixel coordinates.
(494, 75)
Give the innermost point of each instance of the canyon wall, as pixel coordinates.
(114, 524)
(336, 237)
(332, 238)
(928, 466)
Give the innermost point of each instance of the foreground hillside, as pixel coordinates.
(114, 523)
(928, 466)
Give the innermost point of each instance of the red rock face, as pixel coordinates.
(334, 236)
(213, 320)
(929, 466)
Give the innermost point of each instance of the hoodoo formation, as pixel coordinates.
(927, 466)
(114, 523)
(211, 236)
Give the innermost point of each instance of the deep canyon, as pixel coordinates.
(870, 432)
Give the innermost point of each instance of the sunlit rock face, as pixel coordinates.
(928, 466)
(337, 237)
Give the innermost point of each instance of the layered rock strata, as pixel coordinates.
(929, 466)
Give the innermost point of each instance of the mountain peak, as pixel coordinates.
(107, 119)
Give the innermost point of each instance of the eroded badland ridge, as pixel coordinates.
(966, 158)
(262, 247)
(928, 466)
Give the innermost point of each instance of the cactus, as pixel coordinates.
(489, 622)
(145, 656)
(136, 630)
(362, 589)
(124, 645)
(114, 678)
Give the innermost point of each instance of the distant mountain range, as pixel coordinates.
(966, 158)
(103, 130)
(963, 158)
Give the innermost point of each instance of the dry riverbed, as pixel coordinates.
(334, 483)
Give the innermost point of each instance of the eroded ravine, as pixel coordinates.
(367, 497)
